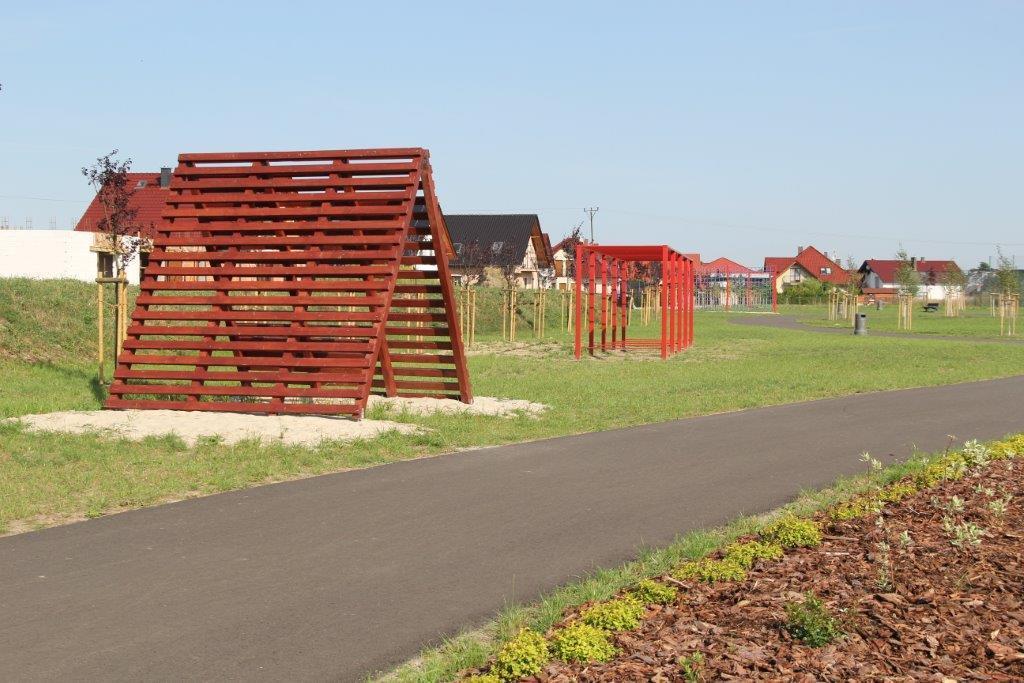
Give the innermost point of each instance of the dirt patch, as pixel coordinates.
(481, 405)
(913, 594)
(524, 349)
(191, 426)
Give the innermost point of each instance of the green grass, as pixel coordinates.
(473, 649)
(975, 321)
(47, 357)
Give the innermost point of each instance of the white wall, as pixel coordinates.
(52, 254)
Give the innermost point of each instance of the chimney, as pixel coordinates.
(798, 250)
(165, 176)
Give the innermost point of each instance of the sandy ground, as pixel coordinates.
(481, 405)
(306, 430)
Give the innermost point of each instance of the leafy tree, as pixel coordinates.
(109, 178)
(1007, 278)
(907, 278)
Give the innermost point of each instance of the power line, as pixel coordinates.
(45, 199)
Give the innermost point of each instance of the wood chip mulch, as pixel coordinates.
(944, 612)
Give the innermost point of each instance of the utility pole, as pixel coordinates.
(591, 210)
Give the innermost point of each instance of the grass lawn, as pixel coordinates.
(47, 332)
(976, 321)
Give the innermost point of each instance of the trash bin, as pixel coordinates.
(860, 323)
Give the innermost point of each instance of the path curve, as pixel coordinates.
(340, 575)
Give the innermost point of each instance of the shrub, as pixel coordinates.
(648, 591)
(523, 655)
(582, 643)
(1008, 448)
(853, 509)
(811, 623)
(949, 467)
(620, 614)
(790, 531)
(483, 678)
(895, 492)
(711, 571)
(745, 554)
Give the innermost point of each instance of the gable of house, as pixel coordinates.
(149, 194)
(499, 239)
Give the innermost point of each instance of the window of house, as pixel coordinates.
(141, 184)
(825, 270)
(496, 247)
(105, 264)
(143, 262)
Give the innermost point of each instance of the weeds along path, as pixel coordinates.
(341, 575)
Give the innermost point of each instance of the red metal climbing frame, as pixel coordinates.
(295, 282)
(607, 271)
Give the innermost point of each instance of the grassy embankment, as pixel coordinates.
(47, 333)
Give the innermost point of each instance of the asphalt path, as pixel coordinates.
(337, 576)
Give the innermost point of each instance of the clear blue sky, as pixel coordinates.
(738, 129)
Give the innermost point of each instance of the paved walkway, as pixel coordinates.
(336, 576)
(789, 322)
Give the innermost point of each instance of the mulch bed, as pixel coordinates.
(945, 612)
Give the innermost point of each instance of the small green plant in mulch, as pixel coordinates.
(523, 655)
(791, 531)
(862, 506)
(581, 642)
(691, 666)
(745, 554)
(895, 492)
(811, 623)
(648, 592)
(711, 570)
(483, 678)
(620, 614)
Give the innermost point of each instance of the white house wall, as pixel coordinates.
(52, 254)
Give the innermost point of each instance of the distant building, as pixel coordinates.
(808, 264)
(499, 244)
(878, 277)
(149, 193)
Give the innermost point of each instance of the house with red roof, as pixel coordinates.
(808, 264)
(722, 266)
(878, 277)
(149, 193)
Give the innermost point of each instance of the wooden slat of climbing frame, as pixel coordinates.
(423, 336)
(270, 282)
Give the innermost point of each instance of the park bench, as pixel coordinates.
(930, 307)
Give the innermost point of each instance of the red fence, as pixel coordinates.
(295, 282)
(607, 272)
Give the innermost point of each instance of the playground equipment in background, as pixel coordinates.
(606, 273)
(727, 290)
(295, 282)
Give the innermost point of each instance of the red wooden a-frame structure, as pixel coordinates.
(295, 282)
(607, 271)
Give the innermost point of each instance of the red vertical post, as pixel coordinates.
(604, 301)
(613, 306)
(670, 311)
(775, 294)
(692, 299)
(626, 302)
(578, 331)
(665, 302)
(680, 302)
(592, 312)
